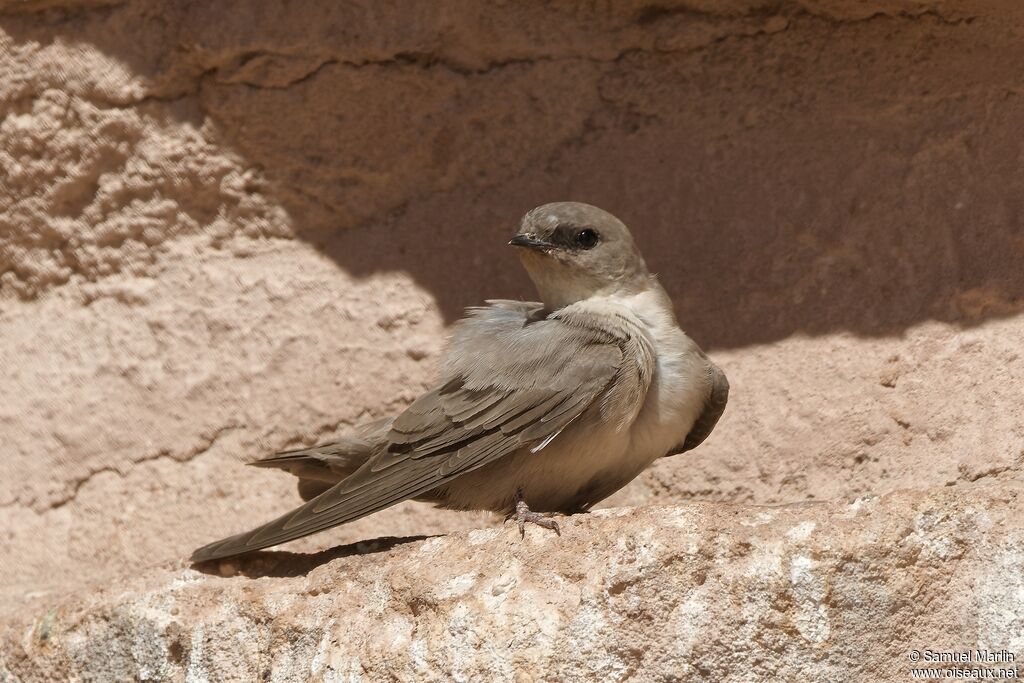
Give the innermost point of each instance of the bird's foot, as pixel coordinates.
(523, 514)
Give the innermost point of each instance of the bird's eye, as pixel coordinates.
(587, 238)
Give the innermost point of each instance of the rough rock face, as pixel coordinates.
(230, 228)
(712, 592)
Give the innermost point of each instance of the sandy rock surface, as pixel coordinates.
(232, 228)
(697, 592)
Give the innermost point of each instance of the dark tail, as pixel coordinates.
(320, 467)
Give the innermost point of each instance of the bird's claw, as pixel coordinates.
(524, 514)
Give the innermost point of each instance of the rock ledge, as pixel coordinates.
(842, 591)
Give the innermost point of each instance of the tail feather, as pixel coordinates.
(331, 462)
(318, 469)
(310, 488)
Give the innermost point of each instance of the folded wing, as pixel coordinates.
(512, 379)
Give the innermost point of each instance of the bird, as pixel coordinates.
(541, 408)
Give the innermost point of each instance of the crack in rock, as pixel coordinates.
(207, 444)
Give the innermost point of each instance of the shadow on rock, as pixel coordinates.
(284, 564)
(778, 186)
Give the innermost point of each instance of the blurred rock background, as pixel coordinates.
(236, 227)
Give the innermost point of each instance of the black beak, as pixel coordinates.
(530, 242)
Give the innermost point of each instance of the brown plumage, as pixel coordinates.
(561, 402)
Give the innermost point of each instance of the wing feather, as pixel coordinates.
(513, 379)
(714, 406)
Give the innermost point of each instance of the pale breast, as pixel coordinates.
(675, 399)
(678, 386)
(650, 408)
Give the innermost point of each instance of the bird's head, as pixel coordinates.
(574, 251)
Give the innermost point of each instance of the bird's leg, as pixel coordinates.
(522, 514)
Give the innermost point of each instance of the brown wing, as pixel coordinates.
(514, 380)
(714, 406)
